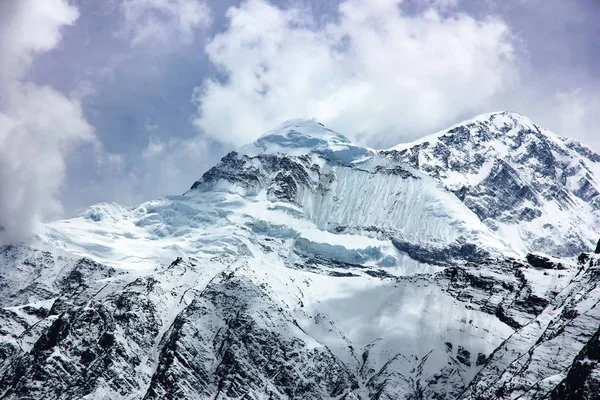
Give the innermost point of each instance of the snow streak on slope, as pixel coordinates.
(531, 187)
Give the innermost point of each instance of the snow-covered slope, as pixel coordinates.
(539, 191)
(554, 356)
(301, 266)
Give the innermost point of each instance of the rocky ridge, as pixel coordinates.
(520, 179)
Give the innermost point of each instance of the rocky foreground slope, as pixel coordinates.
(303, 266)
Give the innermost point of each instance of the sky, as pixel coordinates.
(130, 100)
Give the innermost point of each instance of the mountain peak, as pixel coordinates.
(301, 132)
(515, 176)
(513, 115)
(493, 125)
(302, 136)
(504, 119)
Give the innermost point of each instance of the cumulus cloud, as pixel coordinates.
(374, 73)
(162, 21)
(39, 126)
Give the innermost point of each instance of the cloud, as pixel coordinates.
(166, 165)
(30, 27)
(374, 73)
(577, 115)
(164, 21)
(39, 126)
(171, 162)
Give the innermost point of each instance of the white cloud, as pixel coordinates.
(375, 73)
(29, 27)
(575, 115)
(171, 162)
(82, 89)
(164, 21)
(39, 126)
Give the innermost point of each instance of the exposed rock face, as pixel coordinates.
(541, 262)
(548, 358)
(306, 267)
(242, 351)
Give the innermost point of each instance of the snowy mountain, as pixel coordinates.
(303, 266)
(521, 180)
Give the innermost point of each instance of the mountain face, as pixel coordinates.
(303, 266)
(521, 181)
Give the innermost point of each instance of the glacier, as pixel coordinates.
(304, 266)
